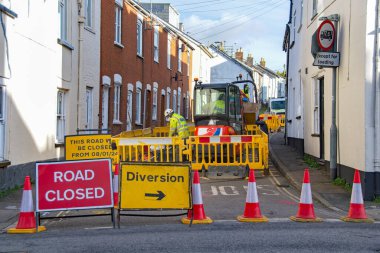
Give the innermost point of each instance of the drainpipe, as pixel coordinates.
(80, 41)
(287, 75)
(377, 102)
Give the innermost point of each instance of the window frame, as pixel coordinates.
(179, 56)
(61, 117)
(179, 101)
(156, 43)
(118, 23)
(314, 9)
(129, 114)
(174, 101)
(89, 14)
(168, 97)
(116, 102)
(169, 53)
(154, 101)
(138, 119)
(63, 13)
(139, 29)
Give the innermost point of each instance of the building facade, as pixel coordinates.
(145, 68)
(309, 89)
(49, 79)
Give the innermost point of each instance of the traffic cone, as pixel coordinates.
(27, 219)
(356, 213)
(252, 211)
(116, 186)
(305, 207)
(197, 214)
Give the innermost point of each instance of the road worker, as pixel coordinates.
(219, 106)
(178, 125)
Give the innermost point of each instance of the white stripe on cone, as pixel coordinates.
(356, 196)
(252, 193)
(197, 195)
(27, 201)
(306, 194)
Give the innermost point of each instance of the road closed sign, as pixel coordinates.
(74, 185)
(93, 146)
(155, 186)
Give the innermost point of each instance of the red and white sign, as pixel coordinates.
(69, 185)
(326, 35)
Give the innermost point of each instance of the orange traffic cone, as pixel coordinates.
(356, 213)
(27, 219)
(116, 186)
(305, 207)
(252, 211)
(197, 214)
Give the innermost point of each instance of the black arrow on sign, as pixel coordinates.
(160, 195)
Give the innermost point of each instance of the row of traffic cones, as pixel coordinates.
(252, 212)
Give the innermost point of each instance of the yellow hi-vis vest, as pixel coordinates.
(178, 126)
(219, 107)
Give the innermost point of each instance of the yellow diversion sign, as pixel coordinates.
(155, 186)
(94, 146)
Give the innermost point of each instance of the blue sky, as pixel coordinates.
(257, 26)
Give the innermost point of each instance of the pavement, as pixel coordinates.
(287, 160)
(291, 164)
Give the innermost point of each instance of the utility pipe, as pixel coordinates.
(377, 102)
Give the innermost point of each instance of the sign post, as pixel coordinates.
(326, 37)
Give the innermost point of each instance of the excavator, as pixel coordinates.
(225, 109)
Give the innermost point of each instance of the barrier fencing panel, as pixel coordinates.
(272, 121)
(151, 149)
(252, 129)
(237, 150)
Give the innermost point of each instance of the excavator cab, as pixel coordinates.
(217, 110)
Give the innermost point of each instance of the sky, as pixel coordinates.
(256, 26)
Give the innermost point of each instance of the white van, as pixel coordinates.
(277, 106)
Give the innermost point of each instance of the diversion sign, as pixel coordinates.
(155, 186)
(94, 146)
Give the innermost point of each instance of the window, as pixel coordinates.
(174, 101)
(138, 102)
(63, 19)
(168, 98)
(156, 42)
(89, 107)
(188, 63)
(316, 107)
(301, 16)
(89, 13)
(139, 36)
(315, 7)
(169, 53)
(179, 56)
(60, 134)
(116, 99)
(179, 101)
(129, 107)
(187, 105)
(118, 10)
(154, 111)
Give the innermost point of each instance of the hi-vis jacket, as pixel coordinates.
(178, 126)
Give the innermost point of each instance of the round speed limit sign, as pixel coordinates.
(326, 35)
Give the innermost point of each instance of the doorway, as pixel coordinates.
(321, 82)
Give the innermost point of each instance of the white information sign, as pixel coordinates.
(327, 59)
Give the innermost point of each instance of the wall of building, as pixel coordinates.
(133, 69)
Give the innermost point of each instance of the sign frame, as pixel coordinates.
(189, 170)
(325, 49)
(74, 208)
(337, 54)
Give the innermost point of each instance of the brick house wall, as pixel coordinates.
(124, 61)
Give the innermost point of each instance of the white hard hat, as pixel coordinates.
(168, 112)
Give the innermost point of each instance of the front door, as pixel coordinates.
(321, 118)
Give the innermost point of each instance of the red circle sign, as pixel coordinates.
(326, 35)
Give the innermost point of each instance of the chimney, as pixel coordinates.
(262, 62)
(181, 27)
(239, 55)
(249, 61)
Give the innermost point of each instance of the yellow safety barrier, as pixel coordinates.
(272, 121)
(151, 149)
(281, 118)
(252, 129)
(236, 150)
(161, 131)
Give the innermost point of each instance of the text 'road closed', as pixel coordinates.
(151, 186)
(74, 185)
